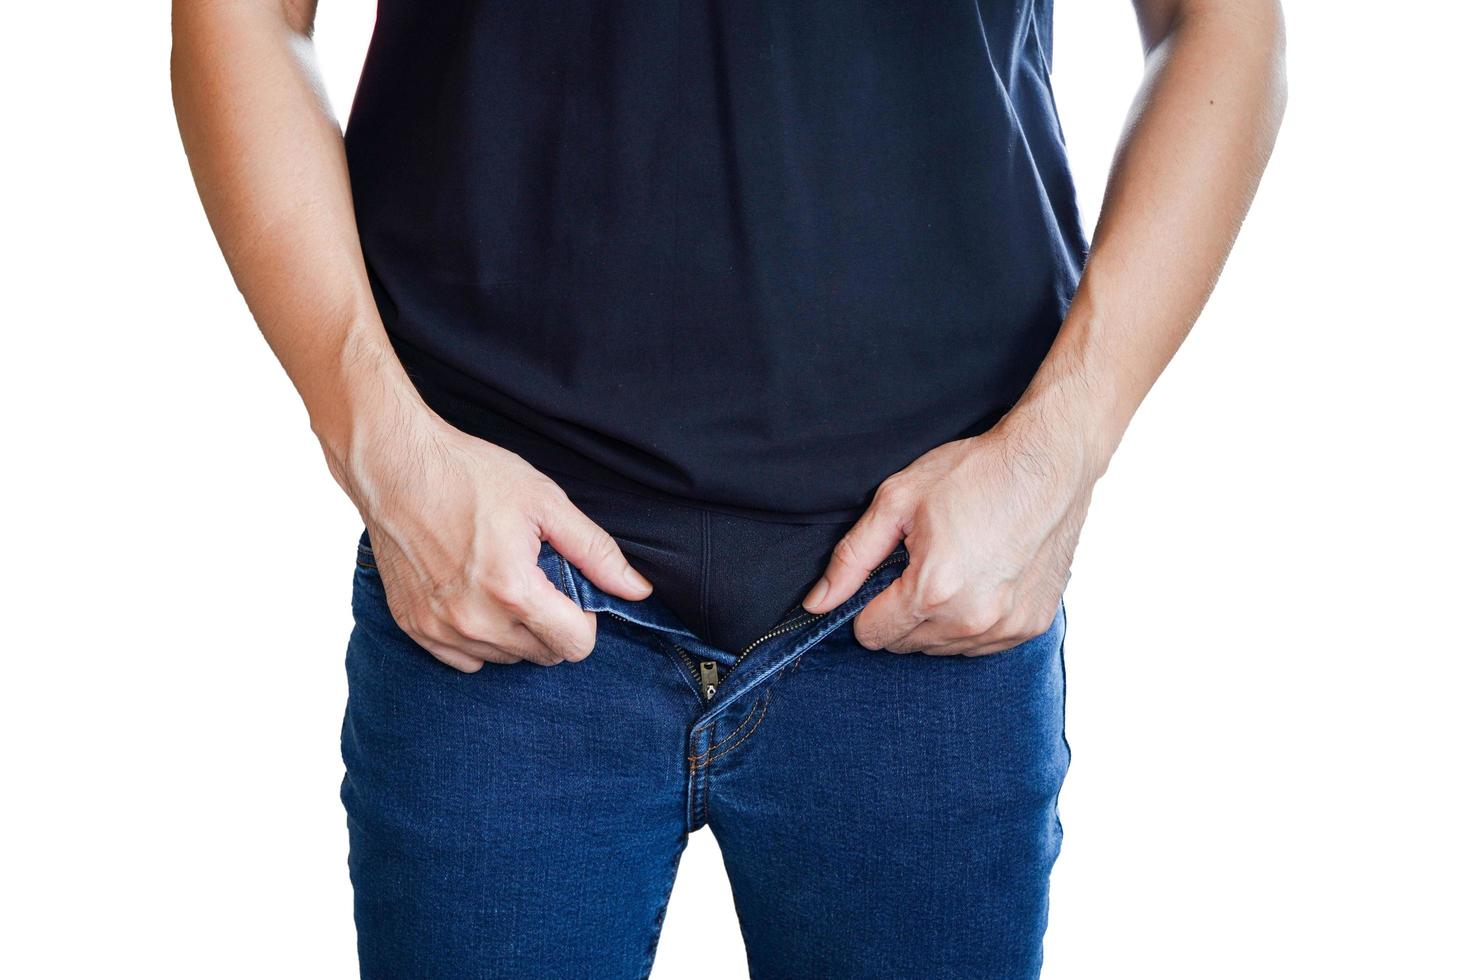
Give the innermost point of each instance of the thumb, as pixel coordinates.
(593, 551)
(865, 545)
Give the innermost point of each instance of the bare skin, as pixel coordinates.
(455, 522)
(991, 523)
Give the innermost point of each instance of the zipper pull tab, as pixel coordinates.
(709, 678)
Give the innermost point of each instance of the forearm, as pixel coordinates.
(268, 159)
(1198, 137)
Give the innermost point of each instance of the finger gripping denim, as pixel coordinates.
(879, 815)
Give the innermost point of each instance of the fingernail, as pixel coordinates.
(817, 594)
(635, 580)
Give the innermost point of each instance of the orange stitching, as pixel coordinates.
(732, 748)
(743, 722)
(738, 729)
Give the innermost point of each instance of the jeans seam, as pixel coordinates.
(698, 807)
(704, 728)
(765, 705)
(707, 754)
(709, 789)
(568, 582)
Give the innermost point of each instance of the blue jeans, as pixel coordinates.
(879, 815)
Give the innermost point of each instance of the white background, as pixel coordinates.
(1267, 661)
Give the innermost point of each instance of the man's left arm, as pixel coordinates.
(991, 522)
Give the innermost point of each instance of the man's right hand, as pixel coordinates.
(456, 526)
(456, 523)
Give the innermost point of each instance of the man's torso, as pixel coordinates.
(723, 267)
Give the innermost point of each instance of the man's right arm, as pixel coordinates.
(455, 522)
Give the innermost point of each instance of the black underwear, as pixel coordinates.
(728, 578)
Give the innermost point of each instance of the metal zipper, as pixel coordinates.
(707, 674)
(709, 678)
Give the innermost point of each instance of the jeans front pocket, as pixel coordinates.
(365, 557)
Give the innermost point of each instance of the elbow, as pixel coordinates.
(1257, 32)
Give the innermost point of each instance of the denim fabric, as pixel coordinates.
(879, 815)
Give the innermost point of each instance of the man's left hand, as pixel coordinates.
(990, 523)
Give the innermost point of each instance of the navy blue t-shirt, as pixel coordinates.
(738, 258)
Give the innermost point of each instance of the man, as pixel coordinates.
(714, 353)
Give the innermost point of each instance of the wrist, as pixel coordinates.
(364, 397)
(1071, 406)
